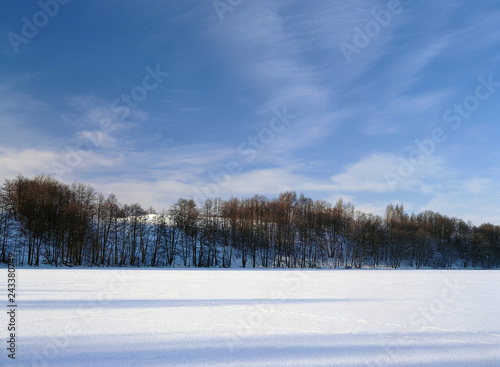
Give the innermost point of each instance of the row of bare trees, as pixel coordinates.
(44, 221)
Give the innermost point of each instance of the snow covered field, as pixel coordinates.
(255, 318)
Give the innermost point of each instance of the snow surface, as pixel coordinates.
(154, 317)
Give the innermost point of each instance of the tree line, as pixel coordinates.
(44, 221)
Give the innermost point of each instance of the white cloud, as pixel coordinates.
(159, 194)
(163, 193)
(478, 185)
(28, 162)
(480, 205)
(383, 173)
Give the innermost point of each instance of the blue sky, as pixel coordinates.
(374, 101)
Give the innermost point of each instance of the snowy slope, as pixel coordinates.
(256, 318)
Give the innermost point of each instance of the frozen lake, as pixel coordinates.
(255, 318)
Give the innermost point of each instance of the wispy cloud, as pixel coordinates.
(355, 123)
(20, 117)
(261, 50)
